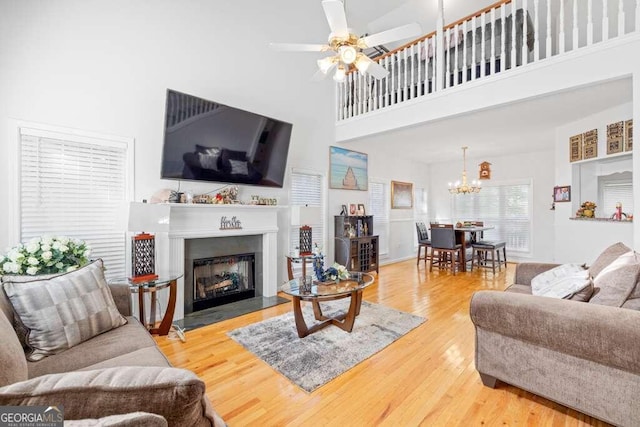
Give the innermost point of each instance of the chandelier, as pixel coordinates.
(463, 187)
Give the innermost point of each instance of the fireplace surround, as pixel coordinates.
(189, 223)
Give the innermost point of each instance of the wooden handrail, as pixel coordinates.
(478, 13)
(459, 21)
(404, 46)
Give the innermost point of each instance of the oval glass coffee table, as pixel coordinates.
(318, 292)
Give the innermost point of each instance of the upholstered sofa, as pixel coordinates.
(118, 377)
(584, 355)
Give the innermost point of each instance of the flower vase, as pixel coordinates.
(589, 213)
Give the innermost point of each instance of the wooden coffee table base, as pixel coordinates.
(344, 321)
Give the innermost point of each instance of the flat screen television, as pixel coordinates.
(208, 141)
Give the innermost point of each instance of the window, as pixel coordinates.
(75, 186)
(505, 207)
(379, 201)
(613, 190)
(307, 188)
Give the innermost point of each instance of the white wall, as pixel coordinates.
(105, 66)
(582, 241)
(538, 167)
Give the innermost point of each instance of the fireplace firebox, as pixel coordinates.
(223, 279)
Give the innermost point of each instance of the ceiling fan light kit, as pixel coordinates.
(347, 46)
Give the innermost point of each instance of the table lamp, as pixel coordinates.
(302, 216)
(145, 219)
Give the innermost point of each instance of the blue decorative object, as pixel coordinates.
(336, 271)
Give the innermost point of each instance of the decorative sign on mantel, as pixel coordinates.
(230, 224)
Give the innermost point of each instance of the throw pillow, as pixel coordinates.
(560, 282)
(239, 168)
(202, 149)
(627, 258)
(65, 310)
(607, 257)
(615, 286)
(208, 161)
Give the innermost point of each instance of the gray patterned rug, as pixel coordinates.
(312, 361)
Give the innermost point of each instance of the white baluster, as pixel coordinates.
(536, 30)
(413, 71)
(387, 81)
(455, 51)
(338, 101)
(379, 90)
(503, 37)
(513, 34)
(405, 74)
(394, 66)
(493, 53)
(465, 44)
(620, 18)
(363, 96)
(589, 22)
(561, 34)
(473, 48)
(482, 44)
(605, 20)
(575, 25)
(525, 30)
(421, 81)
(345, 99)
(439, 45)
(350, 95)
(447, 57)
(549, 51)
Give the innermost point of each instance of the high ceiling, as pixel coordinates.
(520, 127)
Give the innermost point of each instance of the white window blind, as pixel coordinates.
(616, 192)
(379, 202)
(307, 189)
(75, 188)
(505, 207)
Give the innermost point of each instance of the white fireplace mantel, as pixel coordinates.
(193, 221)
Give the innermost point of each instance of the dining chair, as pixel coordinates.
(423, 242)
(444, 248)
(481, 250)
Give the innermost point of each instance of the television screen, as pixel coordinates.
(207, 141)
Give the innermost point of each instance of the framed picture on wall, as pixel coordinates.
(562, 193)
(615, 137)
(590, 144)
(348, 169)
(575, 148)
(401, 195)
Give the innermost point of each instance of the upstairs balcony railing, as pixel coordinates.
(485, 44)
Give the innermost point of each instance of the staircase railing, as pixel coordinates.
(499, 38)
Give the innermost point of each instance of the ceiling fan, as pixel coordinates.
(347, 47)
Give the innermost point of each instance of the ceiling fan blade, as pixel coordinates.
(412, 30)
(334, 9)
(377, 70)
(299, 47)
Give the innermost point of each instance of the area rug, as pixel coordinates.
(318, 358)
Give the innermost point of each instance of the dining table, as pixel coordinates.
(461, 237)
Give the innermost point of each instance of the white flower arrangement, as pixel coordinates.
(45, 255)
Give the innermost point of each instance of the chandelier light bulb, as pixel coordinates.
(325, 64)
(362, 63)
(340, 74)
(348, 54)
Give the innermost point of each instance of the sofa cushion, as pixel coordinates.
(607, 257)
(65, 310)
(116, 342)
(175, 394)
(561, 281)
(615, 286)
(12, 361)
(147, 356)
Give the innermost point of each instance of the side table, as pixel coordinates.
(152, 287)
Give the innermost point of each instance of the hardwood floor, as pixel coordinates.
(425, 378)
